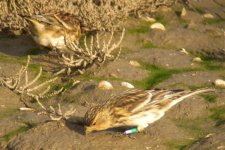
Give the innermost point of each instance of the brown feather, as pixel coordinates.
(132, 107)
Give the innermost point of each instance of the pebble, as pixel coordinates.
(127, 85)
(197, 59)
(208, 16)
(158, 26)
(219, 83)
(105, 85)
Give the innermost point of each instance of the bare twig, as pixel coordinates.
(23, 86)
(56, 114)
(105, 14)
(96, 53)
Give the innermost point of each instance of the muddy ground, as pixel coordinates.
(196, 123)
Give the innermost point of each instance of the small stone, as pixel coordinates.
(127, 85)
(183, 50)
(134, 63)
(183, 12)
(208, 16)
(197, 59)
(219, 83)
(158, 26)
(105, 85)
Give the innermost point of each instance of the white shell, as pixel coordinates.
(197, 59)
(134, 63)
(105, 85)
(158, 26)
(219, 83)
(127, 85)
(208, 16)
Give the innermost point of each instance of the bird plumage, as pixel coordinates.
(135, 108)
(53, 30)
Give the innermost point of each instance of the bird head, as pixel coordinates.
(96, 120)
(35, 26)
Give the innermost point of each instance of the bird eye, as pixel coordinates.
(94, 123)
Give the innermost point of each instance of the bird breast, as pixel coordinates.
(52, 42)
(146, 117)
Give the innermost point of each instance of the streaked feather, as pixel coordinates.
(136, 108)
(53, 30)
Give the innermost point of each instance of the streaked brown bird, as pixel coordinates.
(135, 108)
(53, 30)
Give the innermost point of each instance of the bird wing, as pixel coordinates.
(165, 99)
(136, 101)
(131, 101)
(51, 19)
(42, 19)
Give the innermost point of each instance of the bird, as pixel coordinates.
(137, 108)
(52, 30)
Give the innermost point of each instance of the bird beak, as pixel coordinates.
(31, 21)
(88, 130)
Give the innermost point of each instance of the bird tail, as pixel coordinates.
(180, 96)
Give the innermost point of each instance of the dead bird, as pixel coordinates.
(135, 108)
(53, 31)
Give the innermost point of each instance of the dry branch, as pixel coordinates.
(56, 114)
(96, 53)
(23, 86)
(93, 14)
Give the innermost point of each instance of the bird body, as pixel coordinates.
(52, 31)
(135, 108)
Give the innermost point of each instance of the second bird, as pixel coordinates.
(52, 31)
